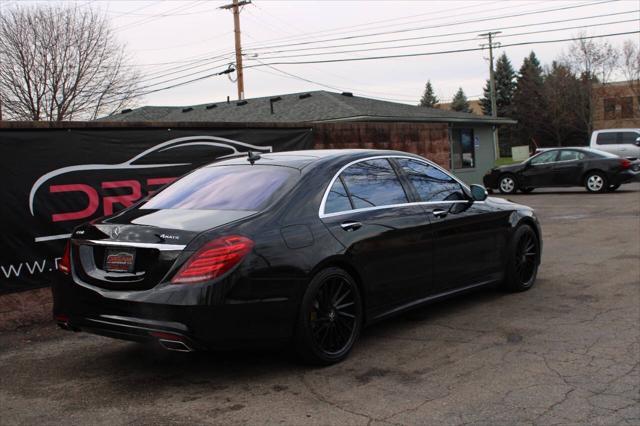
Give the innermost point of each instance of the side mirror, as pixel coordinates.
(478, 192)
(638, 141)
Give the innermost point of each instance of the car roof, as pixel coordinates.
(578, 148)
(303, 158)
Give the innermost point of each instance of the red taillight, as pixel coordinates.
(213, 259)
(61, 318)
(65, 263)
(625, 164)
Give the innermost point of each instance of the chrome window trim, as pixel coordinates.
(157, 246)
(322, 214)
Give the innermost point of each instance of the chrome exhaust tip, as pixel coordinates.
(175, 345)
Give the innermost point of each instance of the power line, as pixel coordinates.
(155, 17)
(441, 42)
(417, 54)
(409, 55)
(333, 31)
(366, 43)
(197, 63)
(440, 25)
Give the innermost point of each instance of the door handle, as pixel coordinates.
(350, 226)
(439, 213)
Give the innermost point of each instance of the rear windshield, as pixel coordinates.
(224, 188)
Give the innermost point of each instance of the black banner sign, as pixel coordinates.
(54, 180)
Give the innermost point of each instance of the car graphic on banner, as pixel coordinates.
(124, 183)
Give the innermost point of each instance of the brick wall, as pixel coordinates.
(429, 140)
(615, 105)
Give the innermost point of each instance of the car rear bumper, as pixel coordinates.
(228, 324)
(626, 176)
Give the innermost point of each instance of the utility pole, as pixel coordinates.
(492, 87)
(235, 5)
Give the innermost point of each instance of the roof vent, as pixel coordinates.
(272, 100)
(212, 106)
(187, 109)
(305, 96)
(348, 94)
(242, 103)
(124, 111)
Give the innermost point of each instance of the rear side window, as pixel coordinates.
(224, 188)
(337, 200)
(373, 183)
(629, 137)
(608, 138)
(571, 155)
(431, 183)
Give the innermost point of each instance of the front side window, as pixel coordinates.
(431, 183)
(463, 147)
(545, 157)
(570, 155)
(373, 183)
(224, 188)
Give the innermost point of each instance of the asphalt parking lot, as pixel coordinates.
(566, 352)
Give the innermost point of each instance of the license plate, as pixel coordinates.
(119, 260)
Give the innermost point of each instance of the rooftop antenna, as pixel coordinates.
(252, 157)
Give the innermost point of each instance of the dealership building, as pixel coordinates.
(461, 142)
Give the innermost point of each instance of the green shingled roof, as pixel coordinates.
(314, 106)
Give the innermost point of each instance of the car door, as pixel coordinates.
(469, 238)
(538, 170)
(385, 235)
(567, 170)
(630, 144)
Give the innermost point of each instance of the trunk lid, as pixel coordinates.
(134, 250)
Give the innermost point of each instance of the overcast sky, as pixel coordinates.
(166, 38)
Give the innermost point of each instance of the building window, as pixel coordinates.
(627, 107)
(463, 155)
(610, 109)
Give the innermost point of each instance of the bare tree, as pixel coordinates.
(593, 62)
(630, 64)
(61, 63)
(591, 58)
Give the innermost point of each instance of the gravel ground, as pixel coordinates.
(566, 352)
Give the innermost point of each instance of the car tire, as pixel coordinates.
(596, 182)
(330, 318)
(526, 190)
(507, 184)
(523, 260)
(613, 187)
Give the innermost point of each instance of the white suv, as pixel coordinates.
(622, 142)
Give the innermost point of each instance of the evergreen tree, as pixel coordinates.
(565, 99)
(429, 99)
(528, 105)
(459, 102)
(505, 78)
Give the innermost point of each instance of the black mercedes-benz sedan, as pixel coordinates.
(597, 171)
(305, 247)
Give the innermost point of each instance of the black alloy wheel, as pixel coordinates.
(330, 317)
(524, 259)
